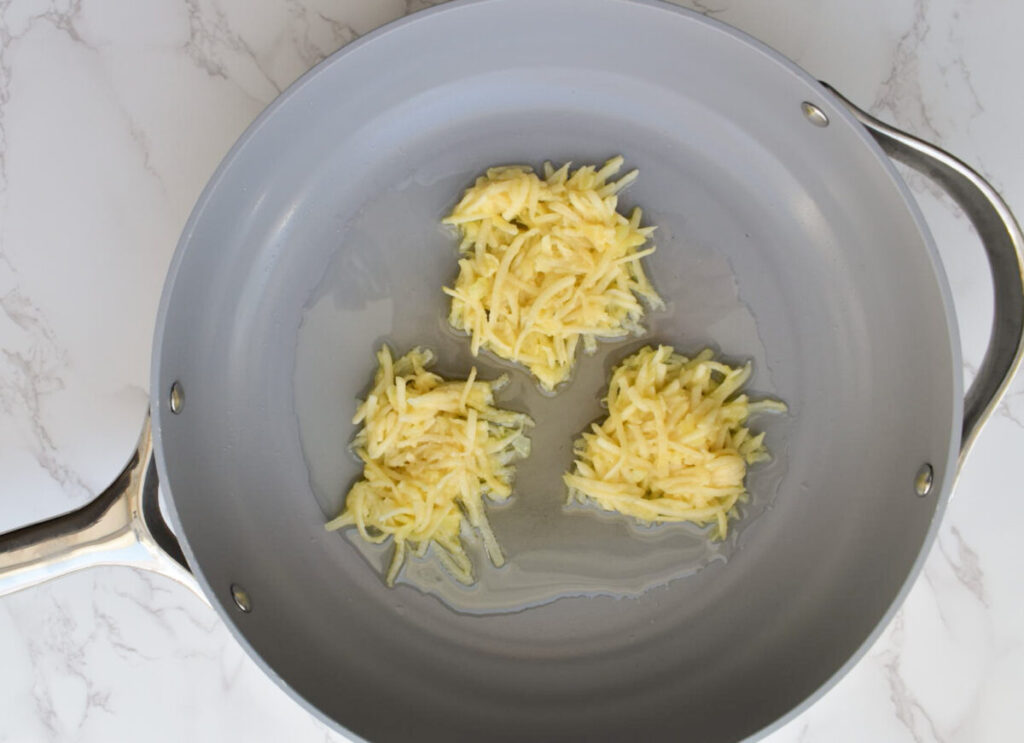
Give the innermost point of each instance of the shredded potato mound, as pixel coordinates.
(548, 262)
(431, 449)
(675, 446)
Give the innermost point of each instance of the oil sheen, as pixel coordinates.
(383, 285)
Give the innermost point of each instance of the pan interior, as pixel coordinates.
(552, 551)
(778, 241)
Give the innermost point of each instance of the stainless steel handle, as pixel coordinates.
(121, 526)
(1001, 236)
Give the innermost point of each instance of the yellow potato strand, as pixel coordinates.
(548, 262)
(675, 446)
(431, 450)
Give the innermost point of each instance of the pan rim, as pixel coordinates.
(834, 109)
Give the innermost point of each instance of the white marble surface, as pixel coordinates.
(113, 114)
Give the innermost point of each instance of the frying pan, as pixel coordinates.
(785, 237)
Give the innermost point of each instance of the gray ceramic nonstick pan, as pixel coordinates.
(784, 237)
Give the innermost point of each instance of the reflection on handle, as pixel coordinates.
(1001, 236)
(122, 526)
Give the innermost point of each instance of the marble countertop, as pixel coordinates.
(113, 115)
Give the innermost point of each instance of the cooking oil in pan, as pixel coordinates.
(552, 551)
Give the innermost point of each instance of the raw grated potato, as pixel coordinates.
(675, 446)
(547, 262)
(431, 449)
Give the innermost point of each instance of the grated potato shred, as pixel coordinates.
(431, 450)
(547, 263)
(675, 445)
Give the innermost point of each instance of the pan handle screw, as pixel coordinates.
(814, 114)
(241, 597)
(923, 481)
(177, 398)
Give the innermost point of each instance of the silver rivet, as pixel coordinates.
(177, 398)
(923, 481)
(241, 597)
(814, 114)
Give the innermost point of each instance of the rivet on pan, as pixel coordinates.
(814, 114)
(923, 481)
(241, 597)
(177, 398)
